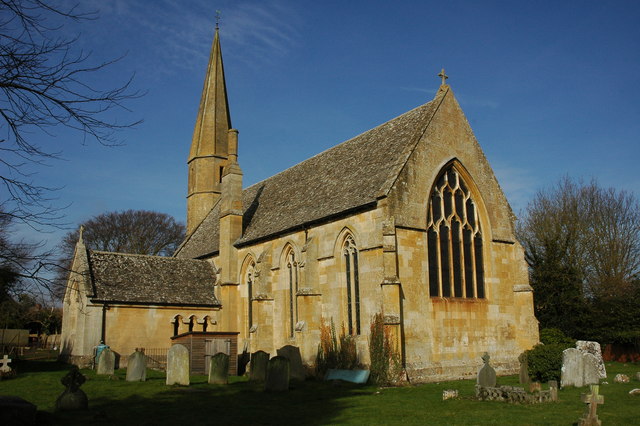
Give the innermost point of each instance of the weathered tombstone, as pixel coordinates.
(594, 349)
(72, 398)
(178, 365)
(449, 394)
(258, 366)
(593, 398)
(621, 378)
(638, 376)
(572, 369)
(590, 372)
(524, 368)
(106, 362)
(219, 369)
(292, 353)
(17, 411)
(553, 390)
(277, 375)
(137, 367)
(4, 364)
(486, 375)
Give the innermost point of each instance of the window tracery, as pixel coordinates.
(454, 239)
(249, 280)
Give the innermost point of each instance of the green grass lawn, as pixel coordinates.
(116, 401)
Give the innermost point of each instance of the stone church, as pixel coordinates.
(406, 219)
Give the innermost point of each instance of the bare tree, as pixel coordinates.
(582, 243)
(44, 85)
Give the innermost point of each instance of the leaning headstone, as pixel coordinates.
(17, 411)
(277, 375)
(292, 353)
(486, 375)
(258, 366)
(137, 367)
(572, 369)
(72, 398)
(594, 349)
(219, 369)
(178, 365)
(106, 362)
(590, 369)
(524, 368)
(593, 398)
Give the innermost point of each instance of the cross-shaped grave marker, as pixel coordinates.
(4, 364)
(593, 399)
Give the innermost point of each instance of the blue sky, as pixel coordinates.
(550, 88)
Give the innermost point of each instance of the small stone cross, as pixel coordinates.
(486, 356)
(443, 76)
(4, 364)
(593, 399)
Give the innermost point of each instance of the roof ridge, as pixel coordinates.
(117, 253)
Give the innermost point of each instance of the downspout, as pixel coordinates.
(104, 322)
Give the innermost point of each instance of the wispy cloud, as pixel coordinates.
(252, 32)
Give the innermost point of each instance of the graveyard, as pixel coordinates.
(112, 399)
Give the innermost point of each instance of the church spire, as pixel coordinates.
(213, 121)
(209, 145)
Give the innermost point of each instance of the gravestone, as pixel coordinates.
(4, 364)
(277, 375)
(17, 411)
(593, 398)
(486, 375)
(219, 369)
(621, 378)
(258, 366)
(524, 368)
(178, 365)
(553, 390)
(137, 367)
(292, 353)
(572, 368)
(594, 349)
(591, 369)
(72, 398)
(638, 376)
(106, 362)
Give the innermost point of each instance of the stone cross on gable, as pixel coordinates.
(443, 76)
(593, 399)
(4, 364)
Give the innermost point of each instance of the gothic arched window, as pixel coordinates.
(454, 239)
(292, 279)
(249, 279)
(350, 253)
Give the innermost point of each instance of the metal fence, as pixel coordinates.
(156, 358)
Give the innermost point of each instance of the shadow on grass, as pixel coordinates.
(241, 402)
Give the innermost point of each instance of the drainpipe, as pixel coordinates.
(104, 322)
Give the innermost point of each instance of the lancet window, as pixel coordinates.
(454, 239)
(249, 279)
(350, 253)
(292, 279)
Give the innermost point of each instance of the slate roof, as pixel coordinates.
(132, 278)
(348, 176)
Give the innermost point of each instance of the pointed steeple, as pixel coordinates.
(213, 121)
(209, 145)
